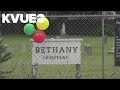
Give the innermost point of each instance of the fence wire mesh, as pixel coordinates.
(83, 26)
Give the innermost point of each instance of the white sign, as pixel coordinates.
(31, 18)
(57, 51)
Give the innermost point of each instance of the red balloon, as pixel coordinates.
(38, 36)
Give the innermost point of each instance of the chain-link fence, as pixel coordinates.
(97, 58)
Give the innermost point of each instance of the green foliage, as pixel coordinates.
(4, 56)
(109, 27)
(91, 66)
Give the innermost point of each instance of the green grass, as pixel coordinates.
(91, 66)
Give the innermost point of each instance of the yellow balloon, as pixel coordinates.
(42, 23)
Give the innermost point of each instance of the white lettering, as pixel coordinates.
(31, 18)
(5, 18)
(22, 18)
(14, 19)
(40, 16)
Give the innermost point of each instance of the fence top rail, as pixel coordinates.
(82, 16)
(60, 16)
(61, 40)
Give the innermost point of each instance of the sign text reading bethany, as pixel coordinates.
(57, 52)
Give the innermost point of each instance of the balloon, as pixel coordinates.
(42, 23)
(38, 36)
(29, 29)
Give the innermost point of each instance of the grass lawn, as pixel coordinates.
(91, 66)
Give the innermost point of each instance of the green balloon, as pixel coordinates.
(29, 29)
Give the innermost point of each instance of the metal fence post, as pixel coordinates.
(77, 71)
(34, 69)
(33, 72)
(103, 18)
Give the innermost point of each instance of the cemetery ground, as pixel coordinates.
(90, 68)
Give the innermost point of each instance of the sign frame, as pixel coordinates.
(61, 51)
(117, 42)
(34, 69)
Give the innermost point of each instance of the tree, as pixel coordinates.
(3, 56)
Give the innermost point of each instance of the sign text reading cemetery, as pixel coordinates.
(57, 51)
